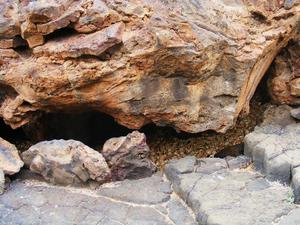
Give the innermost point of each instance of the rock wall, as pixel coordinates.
(192, 65)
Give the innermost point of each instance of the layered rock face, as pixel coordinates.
(192, 65)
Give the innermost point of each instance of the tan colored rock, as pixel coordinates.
(295, 87)
(78, 45)
(10, 161)
(66, 162)
(284, 82)
(192, 65)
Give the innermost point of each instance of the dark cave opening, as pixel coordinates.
(94, 128)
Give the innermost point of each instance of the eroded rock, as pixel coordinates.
(284, 83)
(10, 161)
(66, 162)
(295, 113)
(192, 65)
(127, 157)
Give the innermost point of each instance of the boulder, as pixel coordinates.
(66, 162)
(295, 113)
(127, 157)
(10, 161)
(192, 65)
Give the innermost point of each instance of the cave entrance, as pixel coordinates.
(94, 128)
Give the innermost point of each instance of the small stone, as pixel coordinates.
(295, 113)
(2, 182)
(10, 161)
(34, 41)
(66, 162)
(127, 157)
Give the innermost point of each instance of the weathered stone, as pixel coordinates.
(66, 162)
(278, 116)
(32, 202)
(2, 181)
(96, 16)
(293, 218)
(284, 83)
(78, 45)
(234, 196)
(10, 161)
(192, 65)
(127, 157)
(275, 151)
(154, 190)
(295, 113)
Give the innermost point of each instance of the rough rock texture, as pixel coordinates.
(192, 65)
(152, 203)
(284, 83)
(2, 181)
(127, 157)
(66, 162)
(275, 151)
(10, 161)
(217, 191)
(220, 194)
(295, 113)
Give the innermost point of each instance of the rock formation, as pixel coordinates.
(284, 83)
(192, 65)
(66, 162)
(10, 161)
(127, 157)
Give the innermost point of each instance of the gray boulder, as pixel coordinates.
(10, 161)
(127, 157)
(295, 113)
(66, 162)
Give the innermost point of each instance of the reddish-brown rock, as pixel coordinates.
(284, 82)
(192, 65)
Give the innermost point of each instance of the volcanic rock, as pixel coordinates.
(10, 162)
(127, 157)
(191, 65)
(66, 162)
(295, 113)
(284, 83)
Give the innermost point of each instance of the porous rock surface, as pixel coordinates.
(128, 157)
(66, 162)
(192, 65)
(194, 191)
(10, 161)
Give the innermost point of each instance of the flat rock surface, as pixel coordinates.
(275, 151)
(206, 191)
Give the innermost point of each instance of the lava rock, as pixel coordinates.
(127, 157)
(10, 161)
(192, 65)
(2, 182)
(66, 162)
(296, 113)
